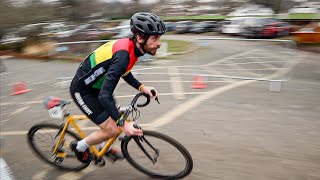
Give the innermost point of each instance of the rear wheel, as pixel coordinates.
(42, 139)
(157, 155)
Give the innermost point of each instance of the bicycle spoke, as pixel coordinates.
(43, 139)
(158, 156)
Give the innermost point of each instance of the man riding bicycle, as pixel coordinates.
(97, 76)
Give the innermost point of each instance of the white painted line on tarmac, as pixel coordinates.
(19, 110)
(167, 94)
(186, 106)
(17, 133)
(253, 62)
(230, 57)
(176, 86)
(4, 120)
(264, 69)
(76, 175)
(182, 108)
(216, 62)
(42, 175)
(41, 82)
(246, 70)
(5, 73)
(168, 81)
(20, 103)
(5, 172)
(5, 114)
(161, 67)
(270, 66)
(13, 133)
(123, 96)
(212, 70)
(250, 57)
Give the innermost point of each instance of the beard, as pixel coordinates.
(151, 51)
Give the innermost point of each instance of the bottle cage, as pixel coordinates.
(56, 107)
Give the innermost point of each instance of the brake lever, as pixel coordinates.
(154, 93)
(157, 100)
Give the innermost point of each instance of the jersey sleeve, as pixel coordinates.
(117, 68)
(130, 79)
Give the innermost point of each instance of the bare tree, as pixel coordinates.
(276, 5)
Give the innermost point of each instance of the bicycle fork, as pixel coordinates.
(138, 140)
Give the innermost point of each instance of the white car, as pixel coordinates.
(232, 25)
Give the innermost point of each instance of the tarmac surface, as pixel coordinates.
(242, 125)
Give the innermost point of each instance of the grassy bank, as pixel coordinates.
(176, 46)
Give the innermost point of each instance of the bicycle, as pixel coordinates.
(142, 152)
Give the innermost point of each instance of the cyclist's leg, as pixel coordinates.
(108, 129)
(89, 104)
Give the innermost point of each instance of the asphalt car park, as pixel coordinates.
(234, 128)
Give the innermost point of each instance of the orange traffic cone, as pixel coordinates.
(199, 82)
(19, 88)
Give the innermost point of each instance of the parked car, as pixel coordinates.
(252, 27)
(219, 25)
(183, 26)
(203, 26)
(276, 29)
(170, 26)
(233, 25)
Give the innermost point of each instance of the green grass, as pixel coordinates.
(176, 46)
(303, 16)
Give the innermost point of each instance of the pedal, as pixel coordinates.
(99, 162)
(111, 158)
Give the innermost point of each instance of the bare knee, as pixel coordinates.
(109, 128)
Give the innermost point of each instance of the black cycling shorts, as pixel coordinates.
(89, 103)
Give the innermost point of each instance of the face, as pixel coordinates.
(153, 44)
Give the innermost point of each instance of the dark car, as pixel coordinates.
(204, 26)
(183, 26)
(219, 25)
(170, 26)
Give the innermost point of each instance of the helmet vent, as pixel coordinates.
(153, 19)
(141, 19)
(139, 26)
(150, 27)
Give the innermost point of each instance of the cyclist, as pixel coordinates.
(97, 76)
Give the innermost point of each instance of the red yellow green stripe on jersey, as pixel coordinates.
(106, 51)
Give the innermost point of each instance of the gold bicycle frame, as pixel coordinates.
(72, 119)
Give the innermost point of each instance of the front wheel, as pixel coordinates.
(42, 139)
(157, 155)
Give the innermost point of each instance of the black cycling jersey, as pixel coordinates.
(101, 72)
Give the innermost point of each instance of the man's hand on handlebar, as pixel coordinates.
(150, 90)
(130, 130)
